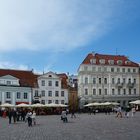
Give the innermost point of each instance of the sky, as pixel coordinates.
(56, 35)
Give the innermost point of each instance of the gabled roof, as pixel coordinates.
(97, 56)
(26, 78)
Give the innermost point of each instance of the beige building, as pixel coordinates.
(108, 78)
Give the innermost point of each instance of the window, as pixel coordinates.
(129, 91)
(43, 102)
(85, 68)
(112, 69)
(129, 70)
(36, 93)
(49, 83)
(62, 93)
(8, 95)
(119, 92)
(105, 80)
(119, 81)
(100, 92)
(25, 95)
(94, 91)
(113, 81)
(105, 91)
(99, 69)
(50, 75)
(119, 62)
(49, 101)
(135, 91)
(113, 91)
(134, 81)
(134, 70)
(93, 61)
(86, 91)
(43, 93)
(50, 93)
(56, 93)
(124, 91)
(118, 69)
(43, 82)
(86, 80)
(18, 95)
(102, 61)
(124, 80)
(129, 80)
(100, 80)
(56, 83)
(94, 80)
(123, 69)
(93, 69)
(62, 102)
(8, 82)
(56, 101)
(111, 62)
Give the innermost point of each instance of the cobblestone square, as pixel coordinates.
(83, 127)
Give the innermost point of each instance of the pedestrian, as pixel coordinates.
(119, 112)
(64, 116)
(73, 114)
(29, 118)
(133, 110)
(10, 115)
(34, 117)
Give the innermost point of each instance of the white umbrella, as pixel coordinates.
(37, 105)
(23, 105)
(137, 102)
(6, 105)
(88, 105)
(96, 104)
(106, 103)
(62, 105)
(51, 105)
(114, 103)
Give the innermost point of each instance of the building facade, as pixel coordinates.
(16, 86)
(52, 88)
(108, 78)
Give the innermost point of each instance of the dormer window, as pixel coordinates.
(119, 62)
(127, 62)
(50, 75)
(111, 62)
(93, 61)
(8, 82)
(102, 61)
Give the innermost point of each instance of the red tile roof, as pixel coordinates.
(109, 57)
(26, 78)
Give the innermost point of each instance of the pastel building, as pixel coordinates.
(108, 78)
(16, 86)
(52, 88)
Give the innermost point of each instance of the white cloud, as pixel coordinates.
(56, 25)
(9, 65)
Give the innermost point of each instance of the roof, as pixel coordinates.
(98, 57)
(26, 78)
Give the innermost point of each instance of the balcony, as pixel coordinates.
(130, 85)
(119, 85)
(36, 97)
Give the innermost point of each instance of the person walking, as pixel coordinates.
(10, 115)
(29, 118)
(133, 111)
(73, 114)
(64, 116)
(34, 117)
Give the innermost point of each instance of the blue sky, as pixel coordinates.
(56, 35)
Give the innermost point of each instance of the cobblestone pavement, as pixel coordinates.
(84, 127)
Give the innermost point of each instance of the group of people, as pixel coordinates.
(126, 110)
(19, 115)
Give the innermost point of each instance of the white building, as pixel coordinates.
(52, 88)
(108, 78)
(16, 86)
